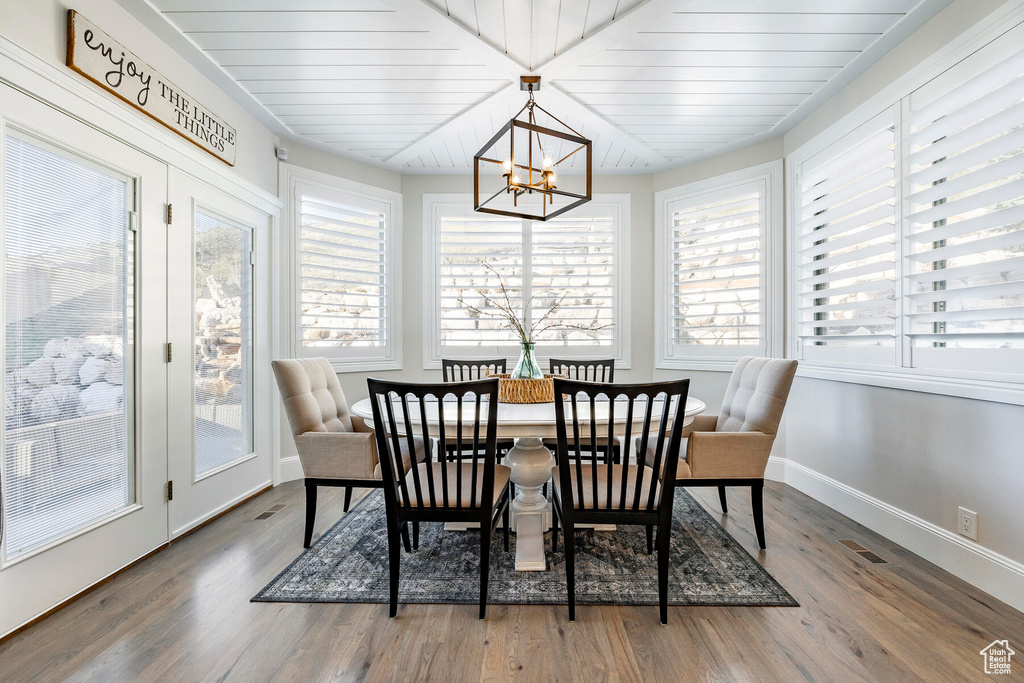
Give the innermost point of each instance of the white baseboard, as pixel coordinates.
(291, 469)
(189, 526)
(989, 571)
(776, 469)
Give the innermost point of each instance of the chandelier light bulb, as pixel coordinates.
(507, 165)
(515, 179)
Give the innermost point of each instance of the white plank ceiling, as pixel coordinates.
(421, 85)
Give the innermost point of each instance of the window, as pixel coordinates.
(579, 261)
(69, 269)
(346, 244)
(713, 269)
(965, 227)
(907, 235)
(846, 251)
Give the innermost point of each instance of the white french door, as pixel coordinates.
(218, 323)
(84, 430)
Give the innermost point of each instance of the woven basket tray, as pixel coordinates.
(525, 390)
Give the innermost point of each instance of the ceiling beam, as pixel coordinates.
(563, 102)
(499, 101)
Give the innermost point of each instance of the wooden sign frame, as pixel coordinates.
(94, 54)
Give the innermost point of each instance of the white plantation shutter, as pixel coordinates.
(717, 287)
(965, 227)
(345, 274)
(466, 241)
(573, 260)
(845, 222)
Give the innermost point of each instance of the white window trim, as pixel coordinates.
(962, 384)
(291, 178)
(772, 308)
(432, 351)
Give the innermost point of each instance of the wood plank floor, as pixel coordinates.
(185, 615)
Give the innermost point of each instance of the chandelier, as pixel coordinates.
(529, 170)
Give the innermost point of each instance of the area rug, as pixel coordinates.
(349, 563)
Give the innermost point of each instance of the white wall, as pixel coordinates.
(40, 26)
(922, 455)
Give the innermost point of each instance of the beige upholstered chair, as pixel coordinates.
(335, 447)
(732, 448)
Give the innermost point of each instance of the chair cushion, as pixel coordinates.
(682, 469)
(602, 485)
(501, 477)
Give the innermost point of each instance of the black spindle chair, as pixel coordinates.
(629, 493)
(455, 370)
(586, 370)
(472, 488)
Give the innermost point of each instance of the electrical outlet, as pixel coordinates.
(967, 523)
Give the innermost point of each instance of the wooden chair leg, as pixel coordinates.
(405, 537)
(570, 566)
(394, 558)
(721, 497)
(485, 565)
(554, 528)
(650, 539)
(663, 548)
(310, 513)
(348, 497)
(415, 535)
(757, 503)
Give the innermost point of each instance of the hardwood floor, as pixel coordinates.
(184, 615)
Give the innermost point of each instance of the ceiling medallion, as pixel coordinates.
(529, 170)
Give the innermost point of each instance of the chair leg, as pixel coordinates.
(554, 528)
(663, 548)
(394, 558)
(506, 521)
(405, 537)
(757, 502)
(485, 565)
(544, 490)
(348, 497)
(415, 535)
(310, 513)
(650, 539)
(570, 566)
(721, 497)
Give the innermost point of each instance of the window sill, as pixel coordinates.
(909, 379)
(346, 365)
(698, 364)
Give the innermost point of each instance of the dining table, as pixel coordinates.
(530, 460)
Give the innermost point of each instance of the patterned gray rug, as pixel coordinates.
(349, 564)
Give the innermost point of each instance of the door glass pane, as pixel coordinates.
(223, 343)
(68, 264)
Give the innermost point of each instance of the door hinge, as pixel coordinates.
(170, 213)
(170, 490)
(252, 258)
(167, 357)
(133, 221)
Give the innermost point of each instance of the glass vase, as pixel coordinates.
(527, 367)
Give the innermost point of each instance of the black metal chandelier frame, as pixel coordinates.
(538, 180)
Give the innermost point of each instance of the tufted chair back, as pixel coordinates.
(312, 396)
(756, 395)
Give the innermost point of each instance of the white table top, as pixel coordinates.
(533, 419)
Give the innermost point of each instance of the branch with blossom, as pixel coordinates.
(514, 320)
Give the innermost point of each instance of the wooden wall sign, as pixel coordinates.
(104, 61)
